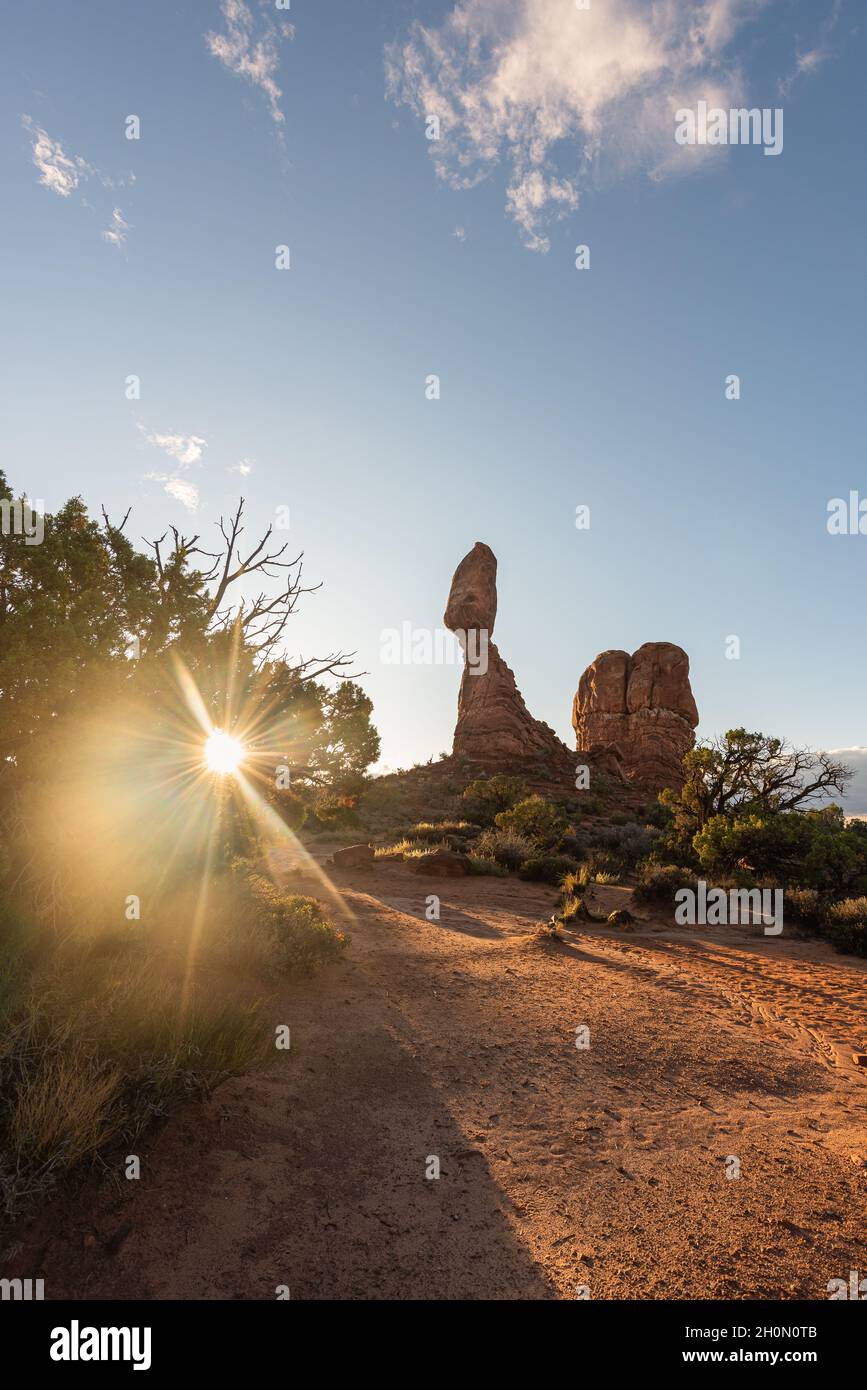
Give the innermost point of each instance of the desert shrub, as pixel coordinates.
(539, 820)
(278, 933)
(570, 883)
(479, 865)
(398, 848)
(606, 876)
(658, 815)
(572, 909)
(454, 833)
(102, 1026)
(99, 1045)
(603, 861)
(660, 882)
(574, 843)
(507, 847)
(291, 808)
(846, 926)
(546, 868)
(638, 841)
(485, 798)
(806, 905)
(813, 849)
(409, 849)
(333, 812)
(628, 840)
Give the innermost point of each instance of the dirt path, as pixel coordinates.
(560, 1167)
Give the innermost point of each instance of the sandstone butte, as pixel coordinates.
(634, 716)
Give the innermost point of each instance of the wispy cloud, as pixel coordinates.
(181, 489)
(187, 449)
(558, 94)
(64, 173)
(809, 60)
(244, 467)
(116, 233)
(58, 171)
(250, 47)
(805, 64)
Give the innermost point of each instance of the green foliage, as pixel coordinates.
(660, 882)
(274, 933)
(487, 796)
(290, 807)
(334, 812)
(74, 608)
(745, 773)
(813, 849)
(105, 1018)
(846, 927)
(534, 817)
(744, 815)
(546, 868)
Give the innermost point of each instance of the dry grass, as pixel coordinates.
(102, 1030)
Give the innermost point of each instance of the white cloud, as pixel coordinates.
(805, 64)
(181, 489)
(559, 95)
(855, 800)
(58, 171)
(116, 233)
(186, 448)
(810, 60)
(63, 174)
(244, 467)
(250, 47)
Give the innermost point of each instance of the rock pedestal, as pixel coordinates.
(494, 725)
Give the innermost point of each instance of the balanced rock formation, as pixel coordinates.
(494, 726)
(643, 704)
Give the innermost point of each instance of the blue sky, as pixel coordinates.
(411, 257)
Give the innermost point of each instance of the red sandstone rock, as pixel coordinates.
(445, 863)
(353, 857)
(642, 703)
(494, 726)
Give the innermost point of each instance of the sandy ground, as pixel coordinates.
(561, 1169)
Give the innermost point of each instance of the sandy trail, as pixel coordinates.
(561, 1168)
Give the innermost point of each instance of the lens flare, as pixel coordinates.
(223, 753)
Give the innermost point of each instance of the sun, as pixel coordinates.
(223, 753)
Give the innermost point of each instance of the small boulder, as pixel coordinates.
(447, 863)
(353, 857)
